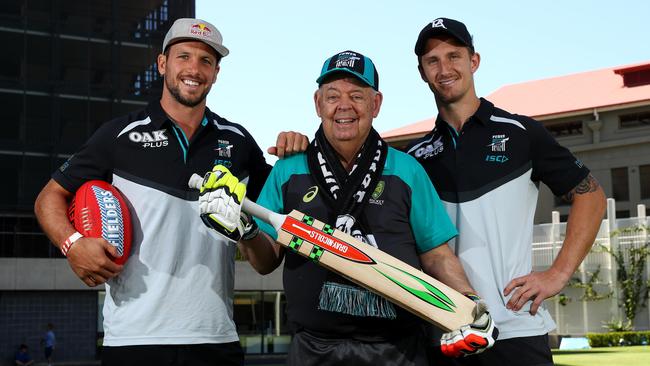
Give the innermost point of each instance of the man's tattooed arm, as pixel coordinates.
(589, 184)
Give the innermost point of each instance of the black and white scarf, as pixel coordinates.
(347, 193)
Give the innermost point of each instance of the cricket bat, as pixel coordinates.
(365, 265)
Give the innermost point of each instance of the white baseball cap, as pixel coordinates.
(189, 29)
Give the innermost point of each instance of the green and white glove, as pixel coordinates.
(220, 201)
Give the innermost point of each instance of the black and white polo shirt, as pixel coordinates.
(487, 176)
(177, 286)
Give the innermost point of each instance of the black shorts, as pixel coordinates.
(523, 351)
(227, 354)
(48, 351)
(308, 349)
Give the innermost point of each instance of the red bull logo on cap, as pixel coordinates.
(200, 29)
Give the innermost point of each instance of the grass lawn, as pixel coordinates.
(609, 356)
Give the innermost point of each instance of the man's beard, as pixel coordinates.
(175, 91)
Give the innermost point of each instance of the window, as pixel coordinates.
(261, 321)
(644, 181)
(573, 128)
(620, 186)
(560, 201)
(20, 236)
(636, 78)
(622, 214)
(634, 120)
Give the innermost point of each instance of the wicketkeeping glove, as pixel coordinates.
(472, 338)
(220, 200)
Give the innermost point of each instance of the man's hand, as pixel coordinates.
(536, 286)
(472, 338)
(220, 204)
(89, 260)
(289, 143)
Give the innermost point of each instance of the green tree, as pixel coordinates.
(631, 261)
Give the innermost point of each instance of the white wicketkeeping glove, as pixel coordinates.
(471, 338)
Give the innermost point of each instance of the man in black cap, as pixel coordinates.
(486, 165)
(171, 303)
(349, 176)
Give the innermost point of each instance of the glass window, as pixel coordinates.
(11, 167)
(644, 181)
(10, 62)
(573, 128)
(559, 202)
(22, 237)
(620, 186)
(38, 62)
(261, 321)
(36, 172)
(622, 214)
(636, 78)
(634, 120)
(12, 109)
(38, 123)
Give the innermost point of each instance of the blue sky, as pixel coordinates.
(278, 47)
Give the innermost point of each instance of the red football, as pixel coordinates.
(99, 210)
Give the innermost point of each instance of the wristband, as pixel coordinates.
(69, 241)
(251, 230)
(472, 296)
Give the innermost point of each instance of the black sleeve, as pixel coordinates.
(258, 169)
(93, 161)
(553, 164)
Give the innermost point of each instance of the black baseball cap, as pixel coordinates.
(353, 63)
(445, 26)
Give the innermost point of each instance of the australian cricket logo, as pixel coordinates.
(379, 189)
(499, 143)
(224, 148)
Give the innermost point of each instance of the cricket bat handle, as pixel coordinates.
(250, 207)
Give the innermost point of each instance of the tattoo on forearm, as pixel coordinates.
(588, 185)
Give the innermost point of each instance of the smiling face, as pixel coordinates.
(346, 107)
(448, 67)
(190, 69)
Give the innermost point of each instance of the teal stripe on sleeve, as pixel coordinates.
(271, 196)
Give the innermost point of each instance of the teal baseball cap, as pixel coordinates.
(352, 63)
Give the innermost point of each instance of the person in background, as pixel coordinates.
(22, 356)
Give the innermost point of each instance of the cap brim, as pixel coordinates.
(221, 50)
(344, 70)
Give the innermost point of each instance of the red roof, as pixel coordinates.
(559, 95)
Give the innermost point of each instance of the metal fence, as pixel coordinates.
(572, 314)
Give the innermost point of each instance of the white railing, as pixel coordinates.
(578, 316)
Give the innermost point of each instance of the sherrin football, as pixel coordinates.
(99, 210)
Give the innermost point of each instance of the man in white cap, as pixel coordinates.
(171, 302)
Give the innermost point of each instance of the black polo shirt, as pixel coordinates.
(147, 147)
(487, 175)
(177, 285)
